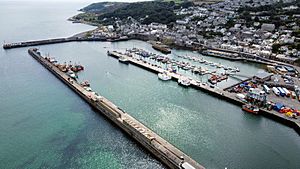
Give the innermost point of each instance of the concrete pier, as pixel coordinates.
(163, 150)
(219, 93)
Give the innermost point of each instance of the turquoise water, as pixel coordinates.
(44, 124)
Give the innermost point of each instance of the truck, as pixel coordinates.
(276, 91)
(266, 89)
(287, 92)
(282, 92)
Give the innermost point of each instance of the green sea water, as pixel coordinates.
(43, 124)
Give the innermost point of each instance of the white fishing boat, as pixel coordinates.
(123, 60)
(201, 61)
(196, 70)
(184, 82)
(164, 76)
(71, 74)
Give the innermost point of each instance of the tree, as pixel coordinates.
(275, 47)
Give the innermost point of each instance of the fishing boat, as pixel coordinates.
(85, 83)
(230, 68)
(77, 68)
(250, 108)
(52, 60)
(201, 61)
(72, 74)
(196, 70)
(187, 67)
(162, 48)
(184, 82)
(164, 76)
(123, 60)
(213, 79)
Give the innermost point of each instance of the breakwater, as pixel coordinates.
(219, 93)
(163, 150)
(58, 40)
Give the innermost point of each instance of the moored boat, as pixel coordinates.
(72, 74)
(164, 76)
(184, 82)
(250, 108)
(123, 60)
(85, 83)
(161, 48)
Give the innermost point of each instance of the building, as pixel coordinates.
(268, 27)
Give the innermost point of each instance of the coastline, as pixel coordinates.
(81, 37)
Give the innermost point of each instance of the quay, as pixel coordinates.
(219, 93)
(163, 150)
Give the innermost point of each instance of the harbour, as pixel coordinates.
(46, 125)
(163, 150)
(220, 93)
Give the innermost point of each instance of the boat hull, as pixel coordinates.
(246, 109)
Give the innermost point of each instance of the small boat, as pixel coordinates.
(123, 60)
(184, 82)
(52, 60)
(230, 72)
(196, 70)
(77, 68)
(186, 68)
(164, 76)
(85, 84)
(202, 61)
(250, 108)
(72, 75)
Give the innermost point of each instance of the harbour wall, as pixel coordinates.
(164, 151)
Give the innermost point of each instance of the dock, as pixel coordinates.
(160, 148)
(219, 93)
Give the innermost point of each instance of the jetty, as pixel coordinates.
(160, 148)
(219, 93)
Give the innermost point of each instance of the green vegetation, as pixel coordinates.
(275, 47)
(103, 7)
(145, 12)
(88, 17)
(160, 11)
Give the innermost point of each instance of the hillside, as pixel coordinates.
(145, 12)
(103, 7)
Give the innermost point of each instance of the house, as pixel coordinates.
(268, 27)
